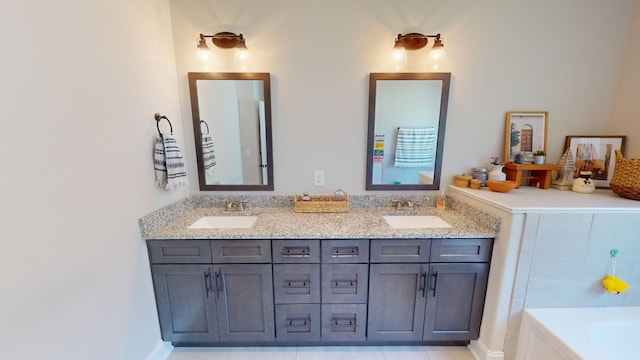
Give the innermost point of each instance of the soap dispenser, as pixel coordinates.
(584, 184)
(441, 201)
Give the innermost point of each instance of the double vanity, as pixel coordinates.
(270, 276)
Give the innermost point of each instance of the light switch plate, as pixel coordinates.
(318, 178)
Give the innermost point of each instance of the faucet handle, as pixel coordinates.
(396, 204)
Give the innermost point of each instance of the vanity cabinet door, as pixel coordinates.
(244, 297)
(186, 302)
(397, 295)
(455, 301)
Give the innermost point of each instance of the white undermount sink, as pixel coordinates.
(224, 222)
(415, 222)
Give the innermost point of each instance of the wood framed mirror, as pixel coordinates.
(405, 136)
(232, 128)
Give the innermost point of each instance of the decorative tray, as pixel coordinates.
(320, 203)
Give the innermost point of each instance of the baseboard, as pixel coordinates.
(480, 351)
(161, 351)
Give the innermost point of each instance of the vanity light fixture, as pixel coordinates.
(225, 40)
(415, 41)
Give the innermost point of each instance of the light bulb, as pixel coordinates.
(203, 54)
(398, 58)
(241, 58)
(437, 57)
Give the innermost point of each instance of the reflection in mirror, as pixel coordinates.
(405, 138)
(232, 128)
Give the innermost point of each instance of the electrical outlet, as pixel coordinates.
(318, 178)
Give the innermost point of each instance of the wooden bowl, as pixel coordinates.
(501, 186)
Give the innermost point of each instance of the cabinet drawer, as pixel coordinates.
(298, 322)
(296, 283)
(345, 251)
(296, 251)
(179, 251)
(400, 250)
(241, 251)
(345, 283)
(461, 250)
(344, 322)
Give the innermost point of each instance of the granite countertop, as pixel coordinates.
(284, 223)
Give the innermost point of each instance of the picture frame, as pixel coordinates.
(595, 153)
(525, 133)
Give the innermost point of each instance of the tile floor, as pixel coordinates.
(325, 353)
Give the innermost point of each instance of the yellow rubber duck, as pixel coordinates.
(614, 285)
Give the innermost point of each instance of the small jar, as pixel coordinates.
(480, 173)
(462, 180)
(475, 183)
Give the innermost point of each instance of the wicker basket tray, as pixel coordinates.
(626, 177)
(321, 204)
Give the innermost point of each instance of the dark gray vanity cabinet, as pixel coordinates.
(345, 277)
(182, 278)
(458, 275)
(297, 287)
(430, 290)
(320, 291)
(397, 289)
(221, 291)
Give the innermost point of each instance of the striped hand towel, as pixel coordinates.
(415, 147)
(208, 154)
(168, 163)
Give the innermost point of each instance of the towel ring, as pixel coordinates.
(159, 117)
(206, 125)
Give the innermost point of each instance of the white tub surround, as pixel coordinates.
(552, 250)
(605, 333)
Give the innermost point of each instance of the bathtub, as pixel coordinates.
(607, 333)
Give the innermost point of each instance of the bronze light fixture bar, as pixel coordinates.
(415, 41)
(224, 39)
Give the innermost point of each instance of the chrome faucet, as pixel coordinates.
(403, 204)
(235, 205)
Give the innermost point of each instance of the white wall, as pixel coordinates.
(560, 56)
(80, 82)
(626, 119)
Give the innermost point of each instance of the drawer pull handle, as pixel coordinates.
(344, 252)
(295, 252)
(435, 283)
(218, 280)
(293, 323)
(344, 284)
(296, 284)
(343, 323)
(208, 286)
(423, 284)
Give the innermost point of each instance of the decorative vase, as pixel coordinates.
(496, 173)
(539, 159)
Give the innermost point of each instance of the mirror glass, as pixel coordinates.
(405, 138)
(232, 128)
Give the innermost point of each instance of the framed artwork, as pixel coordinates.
(596, 154)
(525, 133)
